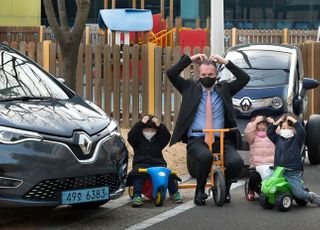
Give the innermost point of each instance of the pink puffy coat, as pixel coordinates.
(261, 147)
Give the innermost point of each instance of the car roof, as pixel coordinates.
(270, 47)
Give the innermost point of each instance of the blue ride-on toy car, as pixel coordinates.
(156, 185)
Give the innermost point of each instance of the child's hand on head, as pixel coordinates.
(259, 119)
(145, 119)
(270, 120)
(292, 119)
(156, 121)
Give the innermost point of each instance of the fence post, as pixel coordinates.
(46, 55)
(158, 82)
(151, 47)
(41, 33)
(285, 36)
(144, 55)
(234, 36)
(126, 86)
(87, 35)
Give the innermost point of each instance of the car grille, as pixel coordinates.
(49, 190)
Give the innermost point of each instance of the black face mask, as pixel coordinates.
(207, 82)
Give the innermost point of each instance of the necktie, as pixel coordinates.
(209, 119)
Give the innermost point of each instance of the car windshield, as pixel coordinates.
(20, 78)
(266, 68)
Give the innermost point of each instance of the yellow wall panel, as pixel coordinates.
(20, 12)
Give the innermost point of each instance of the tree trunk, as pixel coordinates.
(68, 38)
(69, 65)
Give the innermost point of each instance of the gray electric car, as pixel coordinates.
(55, 147)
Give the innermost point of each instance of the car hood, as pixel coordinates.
(257, 93)
(54, 117)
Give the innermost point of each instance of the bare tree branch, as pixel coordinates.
(53, 20)
(63, 16)
(81, 19)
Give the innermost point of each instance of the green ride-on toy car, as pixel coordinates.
(276, 191)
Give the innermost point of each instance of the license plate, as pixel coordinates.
(85, 195)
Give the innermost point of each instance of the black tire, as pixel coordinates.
(283, 202)
(312, 140)
(263, 200)
(89, 205)
(219, 189)
(158, 201)
(131, 192)
(191, 164)
(246, 188)
(314, 155)
(301, 203)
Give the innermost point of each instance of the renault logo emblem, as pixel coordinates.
(245, 104)
(84, 141)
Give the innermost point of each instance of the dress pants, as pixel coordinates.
(198, 150)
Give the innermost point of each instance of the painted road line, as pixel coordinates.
(173, 212)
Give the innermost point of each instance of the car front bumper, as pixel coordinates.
(47, 168)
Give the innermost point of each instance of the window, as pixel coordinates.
(266, 68)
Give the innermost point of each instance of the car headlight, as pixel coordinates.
(277, 102)
(15, 136)
(113, 128)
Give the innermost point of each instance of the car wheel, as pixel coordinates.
(263, 200)
(283, 202)
(191, 164)
(89, 205)
(314, 155)
(312, 142)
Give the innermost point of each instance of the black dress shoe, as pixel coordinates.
(200, 198)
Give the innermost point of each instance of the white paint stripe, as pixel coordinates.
(170, 213)
(163, 216)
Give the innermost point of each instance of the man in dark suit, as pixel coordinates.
(196, 95)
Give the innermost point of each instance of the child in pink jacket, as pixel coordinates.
(261, 154)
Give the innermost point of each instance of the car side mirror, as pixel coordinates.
(309, 83)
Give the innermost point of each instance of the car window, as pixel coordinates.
(266, 68)
(19, 77)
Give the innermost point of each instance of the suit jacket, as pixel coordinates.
(191, 92)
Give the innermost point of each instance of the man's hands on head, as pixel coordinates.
(218, 59)
(198, 58)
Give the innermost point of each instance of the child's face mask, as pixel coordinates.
(148, 134)
(286, 133)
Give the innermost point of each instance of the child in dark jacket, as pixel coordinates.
(289, 144)
(148, 138)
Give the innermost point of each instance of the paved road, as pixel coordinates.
(240, 214)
